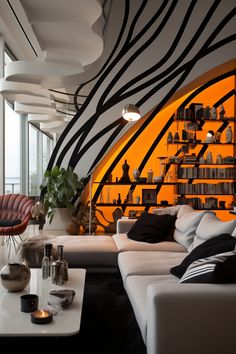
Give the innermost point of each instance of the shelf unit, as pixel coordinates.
(193, 144)
(192, 175)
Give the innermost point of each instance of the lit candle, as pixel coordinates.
(41, 316)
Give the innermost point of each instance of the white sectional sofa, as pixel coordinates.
(174, 317)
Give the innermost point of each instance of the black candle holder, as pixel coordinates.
(41, 317)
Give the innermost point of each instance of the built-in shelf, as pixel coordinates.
(185, 142)
(229, 194)
(209, 178)
(230, 119)
(136, 183)
(203, 164)
(133, 205)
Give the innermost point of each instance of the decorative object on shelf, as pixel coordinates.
(149, 196)
(202, 160)
(142, 179)
(176, 137)
(150, 176)
(125, 177)
(217, 137)
(131, 112)
(229, 134)
(109, 178)
(209, 137)
(158, 179)
(222, 204)
(136, 174)
(15, 276)
(169, 138)
(221, 111)
(130, 197)
(137, 199)
(219, 159)
(184, 134)
(213, 113)
(206, 112)
(118, 199)
(162, 165)
(108, 195)
(132, 213)
(209, 158)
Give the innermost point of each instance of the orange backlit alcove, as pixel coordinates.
(143, 144)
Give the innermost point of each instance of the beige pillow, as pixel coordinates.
(210, 226)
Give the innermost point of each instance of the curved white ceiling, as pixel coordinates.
(61, 40)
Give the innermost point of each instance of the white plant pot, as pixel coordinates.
(60, 219)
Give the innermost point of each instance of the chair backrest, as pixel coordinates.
(15, 206)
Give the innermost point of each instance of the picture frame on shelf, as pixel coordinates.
(149, 196)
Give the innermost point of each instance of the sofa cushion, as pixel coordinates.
(123, 243)
(91, 252)
(172, 210)
(211, 247)
(136, 287)
(220, 268)
(147, 263)
(152, 228)
(209, 226)
(8, 223)
(186, 226)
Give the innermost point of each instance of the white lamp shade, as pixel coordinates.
(131, 113)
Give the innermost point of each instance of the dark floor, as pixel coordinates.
(108, 324)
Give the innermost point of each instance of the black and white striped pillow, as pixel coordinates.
(204, 270)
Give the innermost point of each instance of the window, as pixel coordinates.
(26, 150)
(40, 149)
(12, 150)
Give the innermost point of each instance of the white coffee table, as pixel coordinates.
(13, 322)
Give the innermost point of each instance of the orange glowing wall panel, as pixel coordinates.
(137, 154)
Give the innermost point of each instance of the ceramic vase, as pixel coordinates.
(229, 135)
(136, 174)
(169, 138)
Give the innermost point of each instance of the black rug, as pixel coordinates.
(108, 324)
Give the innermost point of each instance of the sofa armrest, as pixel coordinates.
(124, 225)
(191, 318)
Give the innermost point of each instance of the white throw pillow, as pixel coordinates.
(210, 226)
(173, 210)
(186, 226)
(184, 209)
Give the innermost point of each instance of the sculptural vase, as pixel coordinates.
(229, 135)
(15, 276)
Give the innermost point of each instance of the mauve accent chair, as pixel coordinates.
(15, 207)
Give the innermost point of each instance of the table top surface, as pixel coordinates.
(66, 322)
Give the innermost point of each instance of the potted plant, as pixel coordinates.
(59, 187)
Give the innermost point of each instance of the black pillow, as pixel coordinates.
(152, 228)
(226, 272)
(220, 268)
(215, 245)
(7, 223)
